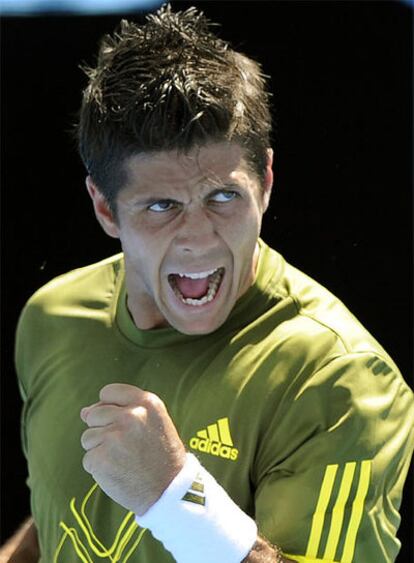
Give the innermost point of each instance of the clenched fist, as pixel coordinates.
(133, 450)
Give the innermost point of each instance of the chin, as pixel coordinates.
(194, 327)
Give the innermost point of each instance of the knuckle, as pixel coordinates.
(84, 440)
(105, 392)
(87, 463)
(152, 401)
(138, 413)
(123, 419)
(94, 417)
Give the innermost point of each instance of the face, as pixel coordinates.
(188, 226)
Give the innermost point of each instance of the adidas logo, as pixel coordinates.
(196, 492)
(216, 440)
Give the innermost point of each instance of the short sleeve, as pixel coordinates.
(332, 464)
(27, 330)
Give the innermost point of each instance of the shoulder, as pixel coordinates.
(82, 285)
(64, 310)
(316, 345)
(316, 313)
(86, 292)
(349, 408)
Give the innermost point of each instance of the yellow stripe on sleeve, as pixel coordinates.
(338, 511)
(319, 515)
(357, 510)
(303, 559)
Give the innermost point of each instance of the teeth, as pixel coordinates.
(198, 275)
(211, 293)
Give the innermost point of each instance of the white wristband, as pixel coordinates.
(196, 520)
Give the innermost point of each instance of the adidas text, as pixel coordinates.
(214, 448)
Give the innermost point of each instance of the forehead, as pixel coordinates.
(214, 163)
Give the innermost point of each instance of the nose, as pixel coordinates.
(197, 233)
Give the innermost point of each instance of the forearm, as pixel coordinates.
(23, 546)
(264, 552)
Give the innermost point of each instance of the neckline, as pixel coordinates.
(169, 336)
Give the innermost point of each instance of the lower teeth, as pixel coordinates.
(211, 293)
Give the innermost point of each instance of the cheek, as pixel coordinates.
(139, 255)
(145, 251)
(242, 228)
(242, 241)
(140, 240)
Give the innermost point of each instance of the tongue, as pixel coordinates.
(192, 288)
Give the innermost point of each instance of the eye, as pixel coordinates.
(224, 196)
(162, 206)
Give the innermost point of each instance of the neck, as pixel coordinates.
(142, 308)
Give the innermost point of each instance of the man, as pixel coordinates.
(231, 409)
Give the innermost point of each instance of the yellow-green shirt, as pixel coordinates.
(291, 404)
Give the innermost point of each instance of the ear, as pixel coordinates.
(268, 181)
(103, 212)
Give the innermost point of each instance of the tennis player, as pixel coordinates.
(196, 398)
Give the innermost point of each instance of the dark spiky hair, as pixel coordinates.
(169, 84)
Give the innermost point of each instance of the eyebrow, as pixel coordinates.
(152, 199)
(226, 187)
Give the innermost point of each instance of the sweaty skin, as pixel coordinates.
(186, 213)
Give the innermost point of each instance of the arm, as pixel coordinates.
(23, 546)
(336, 467)
(328, 483)
(127, 419)
(263, 552)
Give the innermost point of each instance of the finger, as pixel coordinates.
(85, 410)
(92, 438)
(91, 460)
(101, 415)
(121, 394)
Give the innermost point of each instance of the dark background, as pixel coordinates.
(342, 206)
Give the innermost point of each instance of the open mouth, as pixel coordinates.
(196, 288)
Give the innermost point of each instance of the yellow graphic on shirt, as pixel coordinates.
(216, 440)
(354, 473)
(87, 545)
